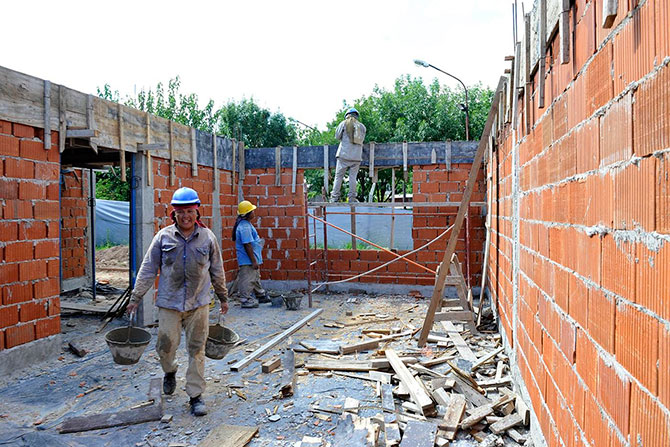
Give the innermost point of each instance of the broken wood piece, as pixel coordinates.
(229, 436)
(419, 434)
(353, 365)
(458, 341)
(76, 349)
(379, 376)
(494, 382)
(441, 396)
(508, 421)
(358, 347)
(472, 395)
(452, 417)
(476, 415)
(437, 361)
(416, 391)
(523, 410)
(516, 436)
(443, 382)
(288, 376)
(486, 358)
(351, 405)
(308, 346)
(271, 365)
(275, 341)
(422, 369)
(465, 376)
(154, 412)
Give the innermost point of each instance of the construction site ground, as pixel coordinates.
(36, 401)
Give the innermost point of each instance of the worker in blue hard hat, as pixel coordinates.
(351, 134)
(188, 257)
(249, 247)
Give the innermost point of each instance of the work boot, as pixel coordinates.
(249, 303)
(263, 299)
(169, 383)
(353, 200)
(198, 407)
(334, 199)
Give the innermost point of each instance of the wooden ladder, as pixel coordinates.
(461, 308)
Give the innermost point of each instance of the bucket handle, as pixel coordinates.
(131, 317)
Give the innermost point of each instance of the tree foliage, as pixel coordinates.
(410, 111)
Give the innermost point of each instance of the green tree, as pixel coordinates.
(411, 111)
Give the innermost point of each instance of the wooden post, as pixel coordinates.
(392, 237)
(150, 169)
(404, 161)
(62, 118)
(194, 154)
(458, 223)
(171, 143)
(240, 195)
(47, 115)
(542, 35)
(609, 12)
(294, 170)
(122, 151)
(234, 183)
(515, 77)
(528, 85)
(447, 155)
(564, 32)
(216, 164)
(371, 167)
(326, 171)
(278, 166)
(353, 226)
(308, 252)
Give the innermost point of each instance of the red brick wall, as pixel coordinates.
(590, 321)
(28, 235)
(74, 231)
(281, 223)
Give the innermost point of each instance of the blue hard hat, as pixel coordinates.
(350, 111)
(185, 196)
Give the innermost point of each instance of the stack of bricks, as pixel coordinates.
(74, 232)
(29, 177)
(589, 317)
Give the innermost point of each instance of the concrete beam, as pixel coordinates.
(30, 354)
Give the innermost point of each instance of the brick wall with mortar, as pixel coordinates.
(586, 310)
(281, 224)
(74, 190)
(29, 264)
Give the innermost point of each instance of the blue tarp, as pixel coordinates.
(112, 222)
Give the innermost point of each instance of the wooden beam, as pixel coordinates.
(486, 357)
(294, 169)
(326, 170)
(81, 133)
(542, 35)
(47, 115)
(287, 383)
(150, 169)
(278, 166)
(229, 436)
(459, 343)
(416, 391)
(270, 365)
(171, 149)
(62, 118)
(454, 315)
(122, 151)
(452, 417)
(404, 160)
(438, 291)
(243, 164)
(505, 423)
(194, 154)
(275, 341)
(447, 155)
(564, 32)
(153, 412)
(610, 8)
(233, 184)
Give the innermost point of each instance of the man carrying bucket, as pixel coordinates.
(189, 259)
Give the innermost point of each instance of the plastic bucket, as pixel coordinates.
(127, 344)
(220, 341)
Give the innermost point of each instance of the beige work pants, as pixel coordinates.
(196, 326)
(340, 169)
(248, 284)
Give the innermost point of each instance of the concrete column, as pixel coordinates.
(142, 232)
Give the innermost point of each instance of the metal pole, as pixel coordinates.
(307, 250)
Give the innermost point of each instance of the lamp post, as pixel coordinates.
(465, 108)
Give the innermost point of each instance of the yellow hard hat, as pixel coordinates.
(245, 207)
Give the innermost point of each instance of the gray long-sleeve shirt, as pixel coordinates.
(348, 150)
(188, 268)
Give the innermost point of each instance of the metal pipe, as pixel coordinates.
(371, 243)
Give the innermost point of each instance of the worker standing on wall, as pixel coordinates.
(248, 246)
(189, 259)
(351, 134)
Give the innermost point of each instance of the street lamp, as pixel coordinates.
(465, 108)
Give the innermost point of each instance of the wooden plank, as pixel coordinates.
(229, 436)
(472, 395)
(476, 415)
(506, 423)
(287, 383)
(318, 347)
(62, 119)
(371, 163)
(419, 434)
(275, 341)
(278, 166)
(326, 170)
(564, 36)
(47, 115)
(441, 396)
(171, 149)
(419, 396)
(437, 361)
(353, 365)
(542, 35)
(270, 365)
(150, 169)
(452, 417)
(243, 164)
(381, 377)
(458, 341)
(153, 412)
(81, 133)
(388, 404)
(233, 184)
(294, 169)
(122, 151)
(610, 8)
(487, 357)
(423, 370)
(404, 160)
(522, 409)
(438, 291)
(447, 155)
(359, 347)
(454, 315)
(194, 155)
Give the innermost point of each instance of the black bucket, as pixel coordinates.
(127, 344)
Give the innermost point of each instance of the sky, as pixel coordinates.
(301, 58)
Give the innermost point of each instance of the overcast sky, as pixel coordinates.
(302, 58)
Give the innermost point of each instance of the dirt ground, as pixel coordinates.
(111, 266)
(37, 400)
